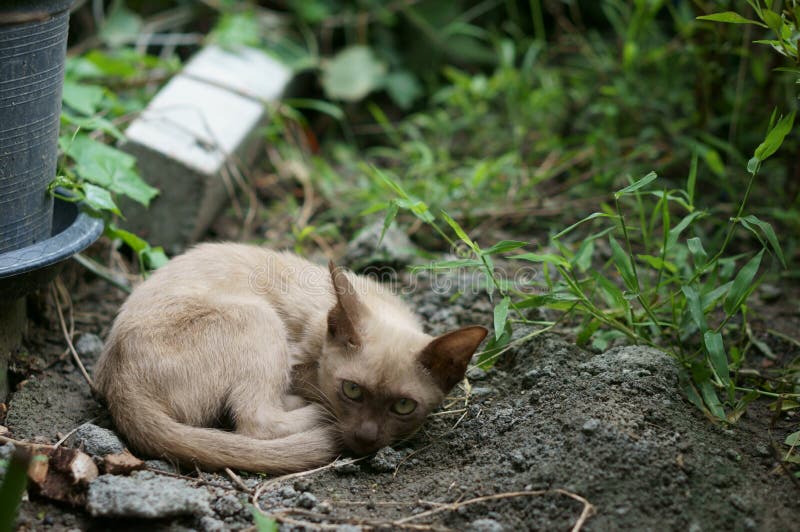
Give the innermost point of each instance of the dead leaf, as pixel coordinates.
(122, 463)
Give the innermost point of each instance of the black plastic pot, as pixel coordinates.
(34, 238)
(23, 270)
(33, 40)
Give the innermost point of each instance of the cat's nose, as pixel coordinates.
(366, 435)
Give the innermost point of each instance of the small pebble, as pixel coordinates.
(591, 426)
(306, 500)
(89, 345)
(485, 525)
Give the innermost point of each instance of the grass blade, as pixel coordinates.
(501, 317)
(742, 285)
(717, 356)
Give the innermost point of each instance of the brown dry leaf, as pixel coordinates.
(67, 473)
(123, 463)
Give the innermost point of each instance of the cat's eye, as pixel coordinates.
(404, 406)
(352, 390)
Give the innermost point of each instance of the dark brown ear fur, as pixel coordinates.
(447, 356)
(343, 318)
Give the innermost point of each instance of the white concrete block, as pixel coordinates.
(204, 118)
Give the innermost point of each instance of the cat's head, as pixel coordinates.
(380, 373)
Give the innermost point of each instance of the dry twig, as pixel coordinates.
(68, 334)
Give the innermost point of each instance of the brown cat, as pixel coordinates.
(301, 361)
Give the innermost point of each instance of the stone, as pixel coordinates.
(145, 495)
(193, 135)
(98, 441)
(306, 500)
(386, 460)
(345, 466)
(591, 426)
(89, 345)
(227, 505)
(485, 525)
(395, 250)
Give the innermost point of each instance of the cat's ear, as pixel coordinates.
(447, 356)
(344, 317)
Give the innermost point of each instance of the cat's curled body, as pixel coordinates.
(301, 362)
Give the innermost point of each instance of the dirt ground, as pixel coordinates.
(559, 435)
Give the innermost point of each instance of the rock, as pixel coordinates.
(324, 508)
(97, 440)
(485, 525)
(591, 426)
(145, 495)
(89, 345)
(345, 466)
(633, 360)
(395, 250)
(387, 459)
(482, 391)
(475, 373)
(161, 465)
(227, 505)
(209, 524)
(306, 500)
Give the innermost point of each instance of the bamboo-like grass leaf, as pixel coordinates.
(549, 258)
(391, 214)
(504, 246)
(501, 317)
(749, 221)
(717, 356)
(623, 264)
(742, 284)
(633, 187)
(695, 307)
(730, 17)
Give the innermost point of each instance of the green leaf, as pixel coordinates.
(583, 257)
(12, 488)
(710, 398)
(136, 243)
(769, 232)
(576, 224)
(237, 29)
(448, 265)
(742, 285)
(81, 97)
(352, 74)
(121, 26)
(643, 182)
(775, 138)
(99, 199)
(321, 106)
(623, 264)
(107, 167)
(403, 88)
(697, 250)
(504, 246)
(730, 17)
(263, 522)
(500, 317)
(695, 307)
(391, 214)
(676, 231)
(548, 258)
(154, 257)
(717, 356)
(793, 439)
(657, 263)
(462, 235)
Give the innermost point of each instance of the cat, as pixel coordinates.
(238, 356)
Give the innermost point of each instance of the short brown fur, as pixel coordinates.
(305, 362)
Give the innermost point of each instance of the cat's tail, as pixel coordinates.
(150, 430)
